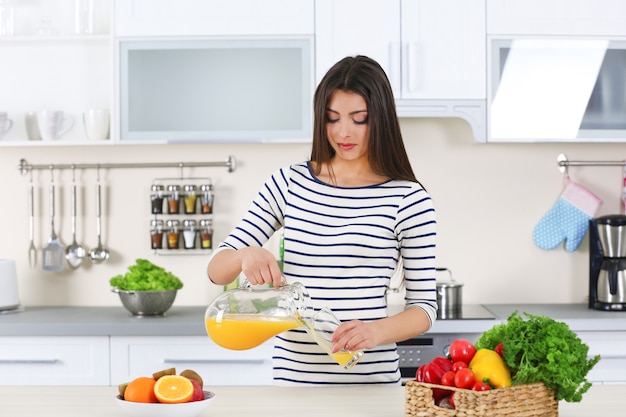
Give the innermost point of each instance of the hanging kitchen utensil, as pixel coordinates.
(53, 253)
(99, 253)
(75, 253)
(32, 250)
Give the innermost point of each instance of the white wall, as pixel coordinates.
(489, 198)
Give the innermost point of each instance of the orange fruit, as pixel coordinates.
(141, 390)
(173, 389)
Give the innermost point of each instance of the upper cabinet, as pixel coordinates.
(556, 17)
(211, 17)
(433, 51)
(556, 71)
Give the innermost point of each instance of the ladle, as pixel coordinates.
(98, 254)
(74, 253)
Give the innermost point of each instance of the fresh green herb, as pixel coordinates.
(146, 276)
(540, 349)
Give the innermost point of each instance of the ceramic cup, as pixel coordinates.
(53, 123)
(96, 123)
(32, 128)
(5, 124)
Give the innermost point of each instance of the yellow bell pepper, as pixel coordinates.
(488, 366)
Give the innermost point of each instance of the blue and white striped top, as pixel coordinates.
(344, 244)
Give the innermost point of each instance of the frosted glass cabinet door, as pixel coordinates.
(206, 90)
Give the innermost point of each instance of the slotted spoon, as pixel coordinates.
(53, 254)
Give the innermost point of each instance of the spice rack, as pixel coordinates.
(182, 210)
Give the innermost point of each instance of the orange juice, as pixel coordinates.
(345, 358)
(240, 332)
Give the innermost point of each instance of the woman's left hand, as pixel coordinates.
(355, 335)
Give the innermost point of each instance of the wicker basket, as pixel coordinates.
(529, 400)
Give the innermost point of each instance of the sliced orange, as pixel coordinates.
(173, 389)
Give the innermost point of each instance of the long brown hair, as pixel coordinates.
(364, 76)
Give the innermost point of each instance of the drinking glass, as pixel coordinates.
(321, 327)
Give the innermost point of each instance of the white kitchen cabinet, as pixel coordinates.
(610, 346)
(430, 49)
(212, 17)
(54, 360)
(142, 355)
(556, 17)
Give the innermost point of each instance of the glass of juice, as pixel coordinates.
(321, 327)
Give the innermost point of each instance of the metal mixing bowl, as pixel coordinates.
(147, 303)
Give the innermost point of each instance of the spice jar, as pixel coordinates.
(156, 197)
(173, 199)
(206, 234)
(206, 198)
(173, 233)
(189, 234)
(156, 234)
(189, 198)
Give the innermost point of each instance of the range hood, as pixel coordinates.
(552, 89)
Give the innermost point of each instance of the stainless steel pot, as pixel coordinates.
(449, 297)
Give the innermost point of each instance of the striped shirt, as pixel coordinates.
(344, 245)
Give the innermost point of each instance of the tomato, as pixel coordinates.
(457, 366)
(452, 400)
(448, 379)
(499, 349)
(462, 350)
(481, 386)
(464, 378)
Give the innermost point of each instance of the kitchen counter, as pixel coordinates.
(189, 321)
(361, 401)
(579, 317)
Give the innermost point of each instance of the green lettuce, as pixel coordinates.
(146, 276)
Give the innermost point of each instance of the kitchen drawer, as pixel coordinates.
(610, 347)
(54, 360)
(136, 356)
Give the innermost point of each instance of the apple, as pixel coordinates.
(198, 394)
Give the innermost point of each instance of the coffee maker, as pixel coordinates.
(607, 263)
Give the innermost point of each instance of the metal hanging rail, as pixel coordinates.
(24, 167)
(565, 163)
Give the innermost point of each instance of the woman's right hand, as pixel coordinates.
(260, 266)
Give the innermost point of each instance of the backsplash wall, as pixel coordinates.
(489, 197)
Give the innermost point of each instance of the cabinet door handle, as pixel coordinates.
(414, 68)
(395, 67)
(241, 361)
(29, 361)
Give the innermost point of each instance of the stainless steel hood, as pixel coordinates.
(556, 89)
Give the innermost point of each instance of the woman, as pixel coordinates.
(352, 215)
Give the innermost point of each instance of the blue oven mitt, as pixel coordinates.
(569, 218)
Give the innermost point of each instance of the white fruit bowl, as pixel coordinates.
(190, 409)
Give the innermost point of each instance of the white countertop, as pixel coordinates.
(357, 401)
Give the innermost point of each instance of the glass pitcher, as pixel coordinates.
(246, 317)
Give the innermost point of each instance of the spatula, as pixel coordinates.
(53, 254)
(32, 250)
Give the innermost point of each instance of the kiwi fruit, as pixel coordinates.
(121, 388)
(191, 374)
(159, 374)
